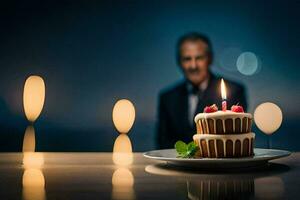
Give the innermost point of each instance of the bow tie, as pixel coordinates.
(196, 91)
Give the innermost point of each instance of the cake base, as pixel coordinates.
(225, 146)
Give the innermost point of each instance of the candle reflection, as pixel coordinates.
(122, 184)
(33, 185)
(32, 160)
(122, 152)
(29, 139)
(122, 178)
(123, 116)
(33, 180)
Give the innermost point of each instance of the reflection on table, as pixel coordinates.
(122, 178)
(33, 180)
(226, 185)
(33, 175)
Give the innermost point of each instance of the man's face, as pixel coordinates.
(195, 61)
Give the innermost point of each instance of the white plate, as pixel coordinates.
(261, 157)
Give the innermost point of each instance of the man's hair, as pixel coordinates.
(193, 37)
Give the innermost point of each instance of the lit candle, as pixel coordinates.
(223, 94)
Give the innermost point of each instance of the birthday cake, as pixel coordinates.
(224, 134)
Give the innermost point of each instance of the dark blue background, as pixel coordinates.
(92, 53)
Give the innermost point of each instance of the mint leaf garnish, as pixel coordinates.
(186, 150)
(180, 147)
(192, 148)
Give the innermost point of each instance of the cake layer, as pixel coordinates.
(223, 122)
(219, 188)
(225, 146)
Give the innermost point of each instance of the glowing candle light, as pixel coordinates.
(33, 182)
(29, 140)
(223, 94)
(33, 178)
(268, 117)
(123, 118)
(122, 184)
(122, 152)
(32, 160)
(33, 97)
(123, 115)
(122, 177)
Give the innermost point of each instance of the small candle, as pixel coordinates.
(224, 105)
(223, 94)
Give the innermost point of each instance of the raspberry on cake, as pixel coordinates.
(237, 108)
(224, 134)
(210, 109)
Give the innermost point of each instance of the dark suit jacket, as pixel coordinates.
(173, 111)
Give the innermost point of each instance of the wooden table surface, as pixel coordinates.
(43, 176)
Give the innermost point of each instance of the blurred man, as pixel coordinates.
(179, 104)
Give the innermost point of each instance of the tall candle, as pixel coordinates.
(223, 94)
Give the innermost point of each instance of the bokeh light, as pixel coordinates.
(247, 63)
(33, 178)
(268, 117)
(122, 152)
(123, 115)
(33, 160)
(33, 183)
(122, 177)
(33, 97)
(29, 139)
(122, 184)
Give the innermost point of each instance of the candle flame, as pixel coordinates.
(223, 89)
